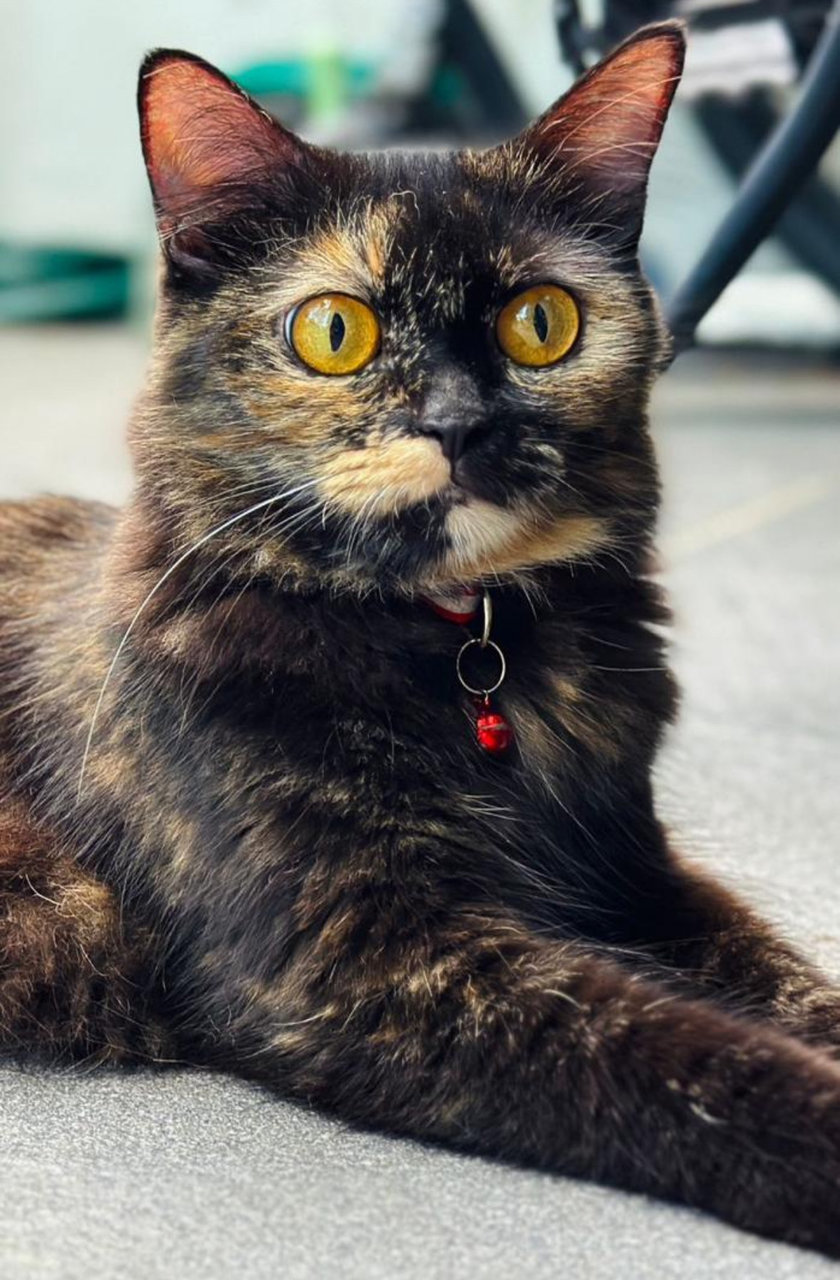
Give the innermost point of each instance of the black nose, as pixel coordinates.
(453, 437)
(452, 411)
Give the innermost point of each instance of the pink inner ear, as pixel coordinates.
(200, 132)
(610, 123)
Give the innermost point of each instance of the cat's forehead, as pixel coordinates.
(425, 230)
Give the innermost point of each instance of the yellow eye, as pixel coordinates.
(539, 326)
(335, 333)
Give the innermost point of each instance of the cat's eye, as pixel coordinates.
(539, 326)
(334, 333)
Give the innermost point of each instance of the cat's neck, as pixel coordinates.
(192, 604)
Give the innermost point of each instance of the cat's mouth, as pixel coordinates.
(417, 515)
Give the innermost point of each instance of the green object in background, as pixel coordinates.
(327, 85)
(60, 284)
(322, 83)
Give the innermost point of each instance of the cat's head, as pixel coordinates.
(409, 370)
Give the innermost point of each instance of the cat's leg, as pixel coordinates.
(73, 976)
(721, 946)
(487, 1037)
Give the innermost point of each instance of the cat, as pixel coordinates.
(267, 803)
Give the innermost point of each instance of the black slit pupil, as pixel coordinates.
(541, 322)
(337, 331)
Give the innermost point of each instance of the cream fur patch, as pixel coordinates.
(384, 478)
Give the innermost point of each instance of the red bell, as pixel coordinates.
(493, 732)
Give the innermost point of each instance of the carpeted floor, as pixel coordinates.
(144, 1176)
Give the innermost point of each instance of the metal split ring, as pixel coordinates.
(488, 618)
(485, 644)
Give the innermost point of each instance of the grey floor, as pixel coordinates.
(142, 1176)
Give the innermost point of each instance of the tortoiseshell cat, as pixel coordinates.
(245, 816)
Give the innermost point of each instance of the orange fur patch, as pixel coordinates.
(384, 478)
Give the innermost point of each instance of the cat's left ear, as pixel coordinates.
(210, 151)
(602, 135)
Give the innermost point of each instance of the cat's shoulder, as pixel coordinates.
(36, 530)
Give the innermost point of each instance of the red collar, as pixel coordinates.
(460, 604)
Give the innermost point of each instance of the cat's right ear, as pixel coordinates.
(209, 151)
(599, 140)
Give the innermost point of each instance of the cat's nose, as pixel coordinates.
(453, 436)
(452, 411)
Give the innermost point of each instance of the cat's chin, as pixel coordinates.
(458, 537)
(486, 539)
(478, 529)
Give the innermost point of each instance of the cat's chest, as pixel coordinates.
(413, 767)
(411, 741)
(376, 764)
(273, 786)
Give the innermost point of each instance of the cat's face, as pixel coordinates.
(418, 370)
